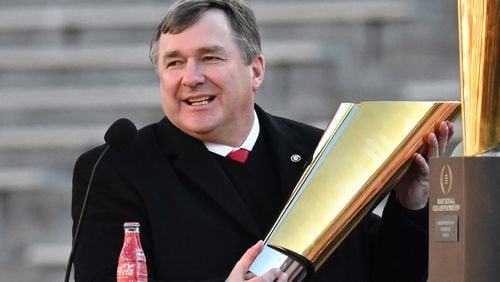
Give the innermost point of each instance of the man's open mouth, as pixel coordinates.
(200, 100)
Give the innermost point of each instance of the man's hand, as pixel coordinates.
(240, 270)
(412, 191)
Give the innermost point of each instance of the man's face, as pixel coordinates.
(206, 88)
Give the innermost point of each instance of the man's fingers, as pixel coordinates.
(451, 130)
(247, 259)
(240, 269)
(432, 146)
(282, 278)
(443, 135)
(274, 275)
(249, 275)
(422, 166)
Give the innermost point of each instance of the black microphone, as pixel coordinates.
(119, 136)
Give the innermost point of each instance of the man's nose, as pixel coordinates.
(193, 74)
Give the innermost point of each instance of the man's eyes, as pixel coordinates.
(205, 59)
(171, 64)
(211, 59)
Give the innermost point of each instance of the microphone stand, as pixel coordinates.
(82, 211)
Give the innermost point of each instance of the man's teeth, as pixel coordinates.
(199, 101)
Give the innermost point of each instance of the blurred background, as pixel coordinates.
(69, 68)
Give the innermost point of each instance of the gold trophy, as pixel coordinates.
(479, 41)
(464, 196)
(364, 150)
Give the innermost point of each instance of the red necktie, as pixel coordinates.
(239, 155)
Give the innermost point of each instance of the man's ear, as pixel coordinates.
(258, 69)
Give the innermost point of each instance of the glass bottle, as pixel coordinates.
(132, 262)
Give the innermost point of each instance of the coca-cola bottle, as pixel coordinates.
(132, 261)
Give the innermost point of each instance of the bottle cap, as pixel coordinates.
(131, 224)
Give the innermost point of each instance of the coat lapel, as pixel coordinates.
(290, 152)
(199, 165)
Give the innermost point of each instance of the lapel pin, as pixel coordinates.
(295, 158)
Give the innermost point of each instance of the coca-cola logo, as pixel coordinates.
(126, 269)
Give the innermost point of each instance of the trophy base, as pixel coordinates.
(297, 267)
(463, 224)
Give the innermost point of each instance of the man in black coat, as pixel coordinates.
(199, 211)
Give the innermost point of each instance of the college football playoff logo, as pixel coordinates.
(446, 179)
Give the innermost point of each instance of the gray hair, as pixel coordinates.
(185, 13)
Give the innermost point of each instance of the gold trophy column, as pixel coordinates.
(479, 42)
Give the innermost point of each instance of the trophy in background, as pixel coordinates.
(465, 191)
(363, 151)
(479, 41)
